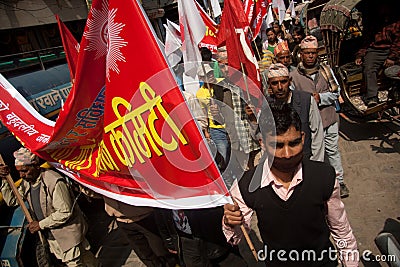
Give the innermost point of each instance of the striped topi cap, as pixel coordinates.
(24, 156)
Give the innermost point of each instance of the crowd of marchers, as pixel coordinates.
(280, 159)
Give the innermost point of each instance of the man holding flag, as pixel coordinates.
(56, 214)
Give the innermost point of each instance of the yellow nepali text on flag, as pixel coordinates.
(62, 153)
(209, 32)
(137, 142)
(83, 160)
(104, 161)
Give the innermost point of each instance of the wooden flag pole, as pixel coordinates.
(249, 242)
(259, 55)
(247, 237)
(245, 83)
(254, 41)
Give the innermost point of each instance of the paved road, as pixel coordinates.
(371, 161)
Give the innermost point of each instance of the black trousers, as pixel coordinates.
(373, 62)
(195, 255)
(145, 240)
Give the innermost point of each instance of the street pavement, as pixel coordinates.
(371, 161)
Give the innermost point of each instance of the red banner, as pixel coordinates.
(210, 38)
(233, 32)
(133, 139)
(260, 12)
(71, 47)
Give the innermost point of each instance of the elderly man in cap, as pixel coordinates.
(318, 79)
(282, 55)
(304, 104)
(56, 214)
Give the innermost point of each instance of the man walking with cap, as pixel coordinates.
(55, 212)
(318, 79)
(304, 104)
(282, 55)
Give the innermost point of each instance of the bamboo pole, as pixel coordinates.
(249, 242)
(245, 83)
(247, 237)
(260, 56)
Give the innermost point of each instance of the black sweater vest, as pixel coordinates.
(301, 103)
(300, 222)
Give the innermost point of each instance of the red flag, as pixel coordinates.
(260, 12)
(87, 97)
(144, 146)
(71, 47)
(255, 11)
(248, 6)
(232, 32)
(210, 38)
(21, 119)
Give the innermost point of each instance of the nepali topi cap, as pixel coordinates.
(24, 156)
(309, 42)
(277, 70)
(280, 47)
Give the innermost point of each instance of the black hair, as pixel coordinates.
(269, 29)
(206, 54)
(279, 118)
(299, 30)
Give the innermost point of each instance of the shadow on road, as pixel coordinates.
(357, 129)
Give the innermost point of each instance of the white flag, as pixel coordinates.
(291, 9)
(280, 5)
(270, 17)
(173, 43)
(193, 30)
(215, 7)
